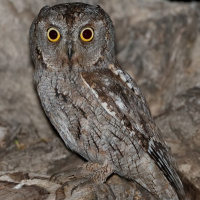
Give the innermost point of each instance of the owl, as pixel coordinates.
(96, 107)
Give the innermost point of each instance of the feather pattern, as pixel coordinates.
(96, 107)
(123, 100)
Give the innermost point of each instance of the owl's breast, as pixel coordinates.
(79, 119)
(82, 122)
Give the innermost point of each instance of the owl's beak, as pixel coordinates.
(70, 51)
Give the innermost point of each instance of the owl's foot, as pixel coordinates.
(86, 190)
(67, 176)
(98, 172)
(94, 171)
(89, 175)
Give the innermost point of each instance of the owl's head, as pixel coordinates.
(72, 35)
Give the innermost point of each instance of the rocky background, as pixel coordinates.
(158, 43)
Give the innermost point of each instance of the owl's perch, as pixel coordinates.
(159, 44)
(18, 185)
(23, 186)
(31, 186)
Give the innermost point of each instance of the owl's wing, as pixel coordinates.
(119, 95)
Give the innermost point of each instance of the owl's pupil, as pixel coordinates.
(87, 34)
(53, 34)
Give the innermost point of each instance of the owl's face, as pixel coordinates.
(71, 36)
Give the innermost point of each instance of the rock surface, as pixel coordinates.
(158, 43)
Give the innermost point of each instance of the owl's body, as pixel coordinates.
(96, 107)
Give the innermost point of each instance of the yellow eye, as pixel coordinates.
(53, 34)
(87, 34)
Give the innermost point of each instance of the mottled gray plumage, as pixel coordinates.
(96, 107)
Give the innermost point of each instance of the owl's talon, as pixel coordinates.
(54, 177)
(67, 176)
(80, 185)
